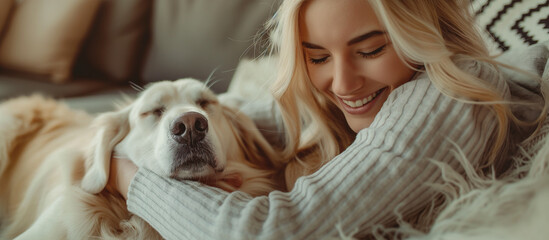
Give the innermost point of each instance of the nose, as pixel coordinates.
(346, 78)
(190, 127)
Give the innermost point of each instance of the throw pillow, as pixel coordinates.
(116, 43)
(5, 9)
(512, 23)
(44, 36)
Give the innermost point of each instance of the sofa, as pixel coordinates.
(90, 52)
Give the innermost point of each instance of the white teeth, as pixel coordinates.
(360, 103)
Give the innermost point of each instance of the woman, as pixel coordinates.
(373, 94)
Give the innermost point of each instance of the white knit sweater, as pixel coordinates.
(385, 169)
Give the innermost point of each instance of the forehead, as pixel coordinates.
(175, 92)
(336, 21)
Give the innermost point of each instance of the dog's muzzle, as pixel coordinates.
(193, 152)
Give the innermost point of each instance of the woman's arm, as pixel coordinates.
(384, 170)
(121, 174)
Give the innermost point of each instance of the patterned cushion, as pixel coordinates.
(512, 23)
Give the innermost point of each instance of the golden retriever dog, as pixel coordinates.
(54, 161)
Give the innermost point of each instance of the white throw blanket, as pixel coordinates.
(513, 207)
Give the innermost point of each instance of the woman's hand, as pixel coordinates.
(121, 175)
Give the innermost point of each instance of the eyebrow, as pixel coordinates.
(364, 37)
(355, 40)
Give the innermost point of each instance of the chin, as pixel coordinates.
(358, 124)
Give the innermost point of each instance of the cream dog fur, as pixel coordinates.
(54, 161)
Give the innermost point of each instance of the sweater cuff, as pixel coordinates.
(143, 194)
(140, 183)
(138, 202)
(162, 202)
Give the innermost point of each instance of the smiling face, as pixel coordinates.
(350, 58)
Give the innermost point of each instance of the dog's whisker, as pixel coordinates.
(209, 82)
(136, 87)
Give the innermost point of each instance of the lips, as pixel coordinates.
(364, 101)
(361, 105)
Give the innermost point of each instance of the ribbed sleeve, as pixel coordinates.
(386, 168)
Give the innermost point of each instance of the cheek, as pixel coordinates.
(130, 147)
(220, 136)
(391, 70)
(319, 75)
(221, 143)
(161, 146)
(146, 145)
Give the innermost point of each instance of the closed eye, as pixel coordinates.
(372, 54)
(204, 103)
(157, 112)
(318, 60)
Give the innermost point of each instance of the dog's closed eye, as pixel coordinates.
(203, 103)
(157, 112)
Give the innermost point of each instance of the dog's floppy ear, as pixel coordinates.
(111, 128)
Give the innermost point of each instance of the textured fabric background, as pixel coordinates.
(512, 23)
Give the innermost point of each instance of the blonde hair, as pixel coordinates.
(434, 34)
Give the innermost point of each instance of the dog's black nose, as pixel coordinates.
(191, 127)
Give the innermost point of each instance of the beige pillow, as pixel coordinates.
(5, 7)
(44, 36)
